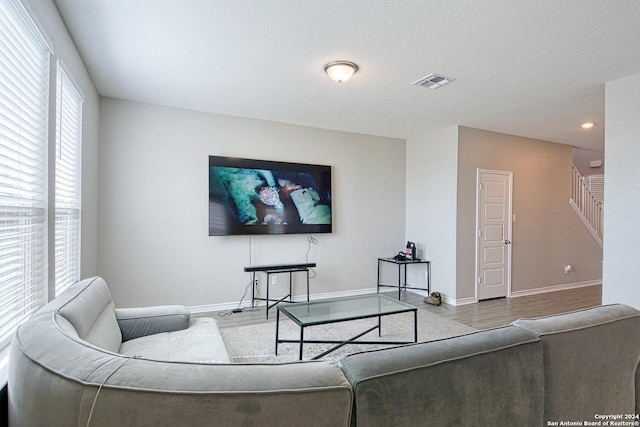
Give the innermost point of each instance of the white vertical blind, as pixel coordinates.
(24, 88)
(67, 182)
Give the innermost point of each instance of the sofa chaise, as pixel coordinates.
(79, 361)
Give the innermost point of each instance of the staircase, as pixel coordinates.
(587, 199)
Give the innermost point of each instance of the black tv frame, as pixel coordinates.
(256, 197)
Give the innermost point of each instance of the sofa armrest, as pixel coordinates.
(140, 322)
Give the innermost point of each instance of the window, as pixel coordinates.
(68, 154)
(24, 101)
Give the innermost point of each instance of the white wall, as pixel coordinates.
(153, 239)
(49, 20)
(431, 204)
(621, 270)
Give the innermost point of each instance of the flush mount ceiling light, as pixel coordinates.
(340, 71)
(587, 125)
(433, 81)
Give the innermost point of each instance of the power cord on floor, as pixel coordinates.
(238, 309)
(310, 240)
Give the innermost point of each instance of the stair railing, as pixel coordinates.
(588, 207)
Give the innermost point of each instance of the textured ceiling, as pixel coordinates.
(530, 68)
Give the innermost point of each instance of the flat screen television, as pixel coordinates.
(249, 196)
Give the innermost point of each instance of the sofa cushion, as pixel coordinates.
(142, 321)
(92, 313)
(59, 380)
(486, 378)
(201, 342)
(590, 361)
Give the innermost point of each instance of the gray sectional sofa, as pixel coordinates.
(79, 361)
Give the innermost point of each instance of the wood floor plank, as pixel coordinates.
(481, 315)
(503, 311)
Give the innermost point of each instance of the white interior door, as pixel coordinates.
(493, 247)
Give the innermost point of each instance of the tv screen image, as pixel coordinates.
(249, 196)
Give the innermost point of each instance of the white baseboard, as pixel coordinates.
(554, 288)
(527, 292)
(204, 309)
(341, 294)
(461, 301)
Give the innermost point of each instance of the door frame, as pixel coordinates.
(508, 234)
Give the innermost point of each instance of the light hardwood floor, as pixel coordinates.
(503, 311)
(482, 315)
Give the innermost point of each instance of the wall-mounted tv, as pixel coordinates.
(267, 197)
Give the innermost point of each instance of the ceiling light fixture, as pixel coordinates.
(588, 125)
(340, 71)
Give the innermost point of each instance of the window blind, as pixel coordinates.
(24, 86)
(67, 182)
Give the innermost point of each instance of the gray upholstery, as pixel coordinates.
(487, 378)
(64, 362)
(80, 362)
(92, 315)
(200, 342)
(140, 322)
(590, 361)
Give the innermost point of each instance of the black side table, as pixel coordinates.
(400, 285)
(276, 269)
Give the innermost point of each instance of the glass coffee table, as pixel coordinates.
(342, 310)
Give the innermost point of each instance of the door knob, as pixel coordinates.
(507, 242)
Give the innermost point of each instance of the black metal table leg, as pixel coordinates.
(301, 340)
(277, 328)
(267, 302)
(253, 289)
(290, 287)
(378, 287)
(405, 276)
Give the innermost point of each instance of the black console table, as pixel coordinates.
(275, 269)
(400, 284)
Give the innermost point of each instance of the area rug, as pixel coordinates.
(256, 343)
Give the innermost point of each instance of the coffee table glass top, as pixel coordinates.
(338, 310)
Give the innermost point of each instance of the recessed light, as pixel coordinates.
(587, 125)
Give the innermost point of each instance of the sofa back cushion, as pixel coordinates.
(590, 361)
(90, 310)
(486, 378)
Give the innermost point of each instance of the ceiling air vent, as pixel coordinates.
(433, 81)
